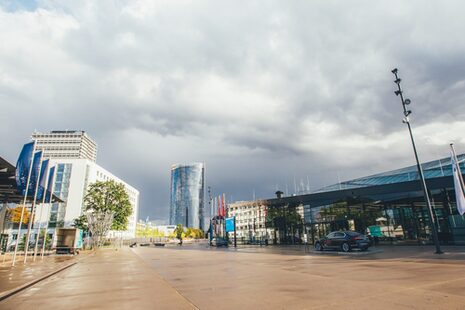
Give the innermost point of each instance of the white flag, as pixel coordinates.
(458, 184)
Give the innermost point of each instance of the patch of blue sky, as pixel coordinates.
(19, 5)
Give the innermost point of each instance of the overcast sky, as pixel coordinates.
(263, 92)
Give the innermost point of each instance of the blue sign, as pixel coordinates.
(230, 224)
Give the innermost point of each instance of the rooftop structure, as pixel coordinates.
(433, 169)
(66, 144)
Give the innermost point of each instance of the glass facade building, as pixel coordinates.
(61, 190)
(187, 195)
(390, 203)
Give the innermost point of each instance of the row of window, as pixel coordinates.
(62, 155)
(250, 227)
(64, 135)
(239, 208)
(59, 141)
(59, 148)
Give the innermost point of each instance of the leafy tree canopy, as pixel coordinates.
(14, 215)
(179, 231)
(104, 196)
(81, 223)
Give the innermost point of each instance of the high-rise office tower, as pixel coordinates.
(66, 144)
(187, 195)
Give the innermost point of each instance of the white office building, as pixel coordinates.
(74, 154)
(73, 176)
(250, 219)
(66, 144)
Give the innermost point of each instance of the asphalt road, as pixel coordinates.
(198, 278)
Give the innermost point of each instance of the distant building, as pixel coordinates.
(154, 230)
(250, 219)
(166, 230)
(187, 195)
(66, 144)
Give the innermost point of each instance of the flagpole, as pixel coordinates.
(223, 207)
(49, 211)
(458, 166)
(459, 173)
(40, 216)
(24, 204)
(31, 218)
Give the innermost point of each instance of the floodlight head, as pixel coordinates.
(397, 81)
(394, 70)
(407, 101)
(397, 92)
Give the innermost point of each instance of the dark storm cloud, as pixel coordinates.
(263, 92)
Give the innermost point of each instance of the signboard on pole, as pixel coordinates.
(230, 224)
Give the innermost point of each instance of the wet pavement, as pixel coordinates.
(198, 277)
(20, 274)
(264, 278)
(110, 279)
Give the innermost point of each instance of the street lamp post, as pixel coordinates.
(406, 120)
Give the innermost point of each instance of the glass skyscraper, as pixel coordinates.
(187, 195)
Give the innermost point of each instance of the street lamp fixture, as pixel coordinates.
(420, 170)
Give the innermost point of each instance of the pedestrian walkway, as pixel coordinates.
(110, 279)
(23, 273)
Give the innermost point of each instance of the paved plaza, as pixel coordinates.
(195, 277)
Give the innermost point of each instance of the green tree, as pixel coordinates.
(48, 239)
(179, 231)
(195, 233)
(190, 233)
(285, 220)
(104, 196)
(81, 223)
(22, 242)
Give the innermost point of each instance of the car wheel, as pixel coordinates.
(318, 246)
(345, 247)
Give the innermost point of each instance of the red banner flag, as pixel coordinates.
(223, 206)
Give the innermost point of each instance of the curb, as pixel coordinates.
(18, 289)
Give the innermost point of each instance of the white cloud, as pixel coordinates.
(260, 91)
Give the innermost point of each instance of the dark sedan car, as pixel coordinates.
(344, 241)
(219, 242)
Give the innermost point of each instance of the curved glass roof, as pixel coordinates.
(433, 169)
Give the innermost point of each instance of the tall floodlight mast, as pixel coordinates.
(407, 112)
